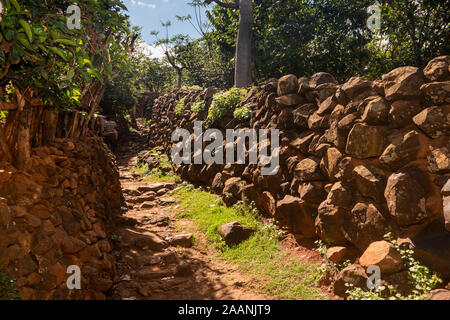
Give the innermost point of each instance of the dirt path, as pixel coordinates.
(155, 257)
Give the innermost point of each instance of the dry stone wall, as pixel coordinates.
(56, 213)
(357, 160)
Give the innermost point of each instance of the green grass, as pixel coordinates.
(157, 174)
(261, 256)
(8, 290)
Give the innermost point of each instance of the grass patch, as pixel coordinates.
(261, 256)
(8, 290)
(157, 174)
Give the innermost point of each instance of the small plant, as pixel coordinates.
(3, 115)
(327, 265)
(8, 291)
(198, 106)
(420, 278)
(222, 103)
(116, 238)
(322, 248)
(179, 108)
(246, 208)
(243, 113)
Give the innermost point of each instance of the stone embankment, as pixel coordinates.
(357, 160)
(57, 213)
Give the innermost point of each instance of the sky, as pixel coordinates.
(148, 14)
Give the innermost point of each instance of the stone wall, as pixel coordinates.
(56, 213)
(358, 160)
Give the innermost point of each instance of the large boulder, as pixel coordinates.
(403, 83)
(302, 113)
(287, 85)
(295, 214)
(327, 106)
(331, 161)
(340, 195)
(267, 203)
(384, 255)
(364, 224)
(365, 141)
(434, 121)
(312, 192)
(406, 198)
(402, 112)
(218, 183)
(232, 190)
(438, 69)
(376, 112)
(289, 100)
(402, 151)
(321, 78)
(324, 91)
(318, 123)
(436, 93)
(336, 254)
(329, 221)
(438, 159)
(355, 85)
(234, 232)
(285, 119)
(353, 274)
(368, 183)
(308, 170)
(302, 141)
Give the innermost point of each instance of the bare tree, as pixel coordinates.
(243, 71)
(169, 47)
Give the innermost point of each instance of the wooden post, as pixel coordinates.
(50, 124)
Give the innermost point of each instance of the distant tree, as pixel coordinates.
(173, 49)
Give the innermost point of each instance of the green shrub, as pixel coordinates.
(222, 103)
(243, 113)
(179, 108)
(198, 106)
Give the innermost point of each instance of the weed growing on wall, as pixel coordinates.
(198, 106)
(179, 108)
(222, 103)
(243, 113)
(420, 278)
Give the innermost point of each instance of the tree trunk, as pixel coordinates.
(50, 126)
(179, 75)
(243, 70)
(4, 145)
(23, 152)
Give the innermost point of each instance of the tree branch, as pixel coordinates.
(228, 5)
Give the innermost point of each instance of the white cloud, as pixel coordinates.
(143, 4)
(154, 52)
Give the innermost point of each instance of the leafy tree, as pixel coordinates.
(304, 37)
(43, 62)
(413, 32)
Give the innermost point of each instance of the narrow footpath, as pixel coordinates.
(155, 254)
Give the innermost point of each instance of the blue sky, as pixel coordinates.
(148, 14)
